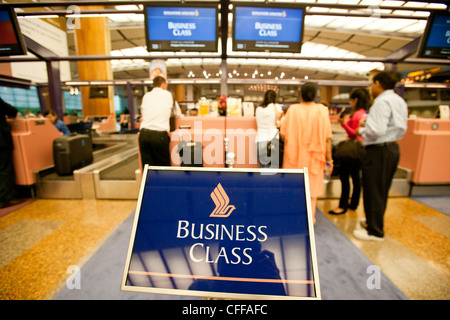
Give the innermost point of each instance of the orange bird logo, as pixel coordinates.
(222, 201)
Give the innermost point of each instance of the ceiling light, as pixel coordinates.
(127, 7)
(370, 2)
(39, 16)
(390, 3)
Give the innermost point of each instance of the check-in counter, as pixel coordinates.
(211, 131)
(425, 150)
(108, 124)
(33, 147)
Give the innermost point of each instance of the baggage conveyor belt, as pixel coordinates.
(114, 174)
(400, 187)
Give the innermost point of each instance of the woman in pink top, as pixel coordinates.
(306, 131)
(359, 101)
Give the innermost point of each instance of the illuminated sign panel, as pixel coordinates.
(436, 39)
(11, 40)
(184, 28)
(268, 28)
(223, 233)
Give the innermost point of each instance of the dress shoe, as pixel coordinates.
(337, 212)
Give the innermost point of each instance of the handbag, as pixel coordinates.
(271, 146)
(271, 143)
(350, 150)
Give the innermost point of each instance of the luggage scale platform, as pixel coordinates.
(113, 174)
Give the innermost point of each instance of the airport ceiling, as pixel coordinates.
(348, 29)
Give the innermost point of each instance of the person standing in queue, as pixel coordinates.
(359, 101)
(156, 109)
(267, 138)
(7, 174)
(385, 125)
(306, 131)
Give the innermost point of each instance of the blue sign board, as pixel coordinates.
(181, 28)
(225, 233)
(267, 29)
(436, 39)
(11, 40)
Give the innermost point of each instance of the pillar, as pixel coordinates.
(328, 92)
(190, 92)
(180, 92)
(93, 38)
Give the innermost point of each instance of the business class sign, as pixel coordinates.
(224, 234)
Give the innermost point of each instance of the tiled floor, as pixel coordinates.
(415, 255)
(41, 240)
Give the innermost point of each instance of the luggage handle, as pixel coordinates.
(185, 127)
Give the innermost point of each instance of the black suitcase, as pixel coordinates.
(72, 152)
(190, 154)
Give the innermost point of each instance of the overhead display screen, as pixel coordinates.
(11, 42)
(187, 28)
(224, 233)
(436, 39)
(268, 28)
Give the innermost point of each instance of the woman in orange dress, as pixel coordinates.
(306, 131)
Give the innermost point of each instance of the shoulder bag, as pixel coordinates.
(350, 150)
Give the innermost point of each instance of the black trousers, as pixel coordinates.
(154, 148)
(7, 176)
(347, 170)
(378, 171)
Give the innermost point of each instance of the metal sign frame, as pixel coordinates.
(227, 295)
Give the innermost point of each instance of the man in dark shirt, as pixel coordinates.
(7, 175)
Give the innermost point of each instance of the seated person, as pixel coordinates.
(193, 112)
(61, 126)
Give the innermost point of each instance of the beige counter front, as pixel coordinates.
(425, 150)
(211, 131)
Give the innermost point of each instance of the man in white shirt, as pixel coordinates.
(385, 125)
(157, 107)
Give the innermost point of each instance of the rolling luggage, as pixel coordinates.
(72, 152)
(191, 152)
